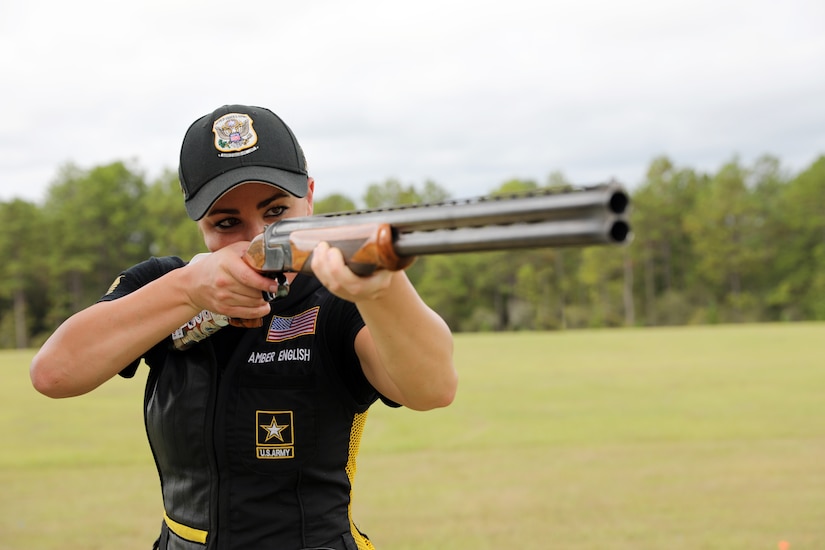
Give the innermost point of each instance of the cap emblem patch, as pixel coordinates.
(234, 133)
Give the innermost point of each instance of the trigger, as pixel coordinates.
(283, 289)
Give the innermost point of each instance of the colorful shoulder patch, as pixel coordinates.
(114, 285)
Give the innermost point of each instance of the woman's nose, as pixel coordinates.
(253, 230)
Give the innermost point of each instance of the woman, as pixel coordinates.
(254, 430)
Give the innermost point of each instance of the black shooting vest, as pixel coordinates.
(255, 432)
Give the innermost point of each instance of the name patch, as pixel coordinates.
(295, 354)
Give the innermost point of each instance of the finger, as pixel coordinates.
(319, 260)
(243, 274)
(331, 269)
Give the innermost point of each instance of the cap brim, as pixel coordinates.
(198, 205)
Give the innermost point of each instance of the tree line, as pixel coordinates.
(743, 244)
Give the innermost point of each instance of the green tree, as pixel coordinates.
(514, 186)
(390, 193)
(393, 193)
(661, 249)
(333, 203)
(432, 192)
(446, 284)
(169, 230)
(724, 229)
(532, 288)
(538, 291)
(743, 244)
(799, 246)
(768, 184)
(96, 229)
(602, 273)
(22, 271)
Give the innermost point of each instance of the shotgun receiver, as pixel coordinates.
(391, 238)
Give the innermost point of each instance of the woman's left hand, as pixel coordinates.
(329, 267)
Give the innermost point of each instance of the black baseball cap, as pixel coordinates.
(238, 144)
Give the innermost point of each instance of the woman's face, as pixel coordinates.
(242, 213)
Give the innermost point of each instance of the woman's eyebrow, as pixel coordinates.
(216, 211)
(263, 204)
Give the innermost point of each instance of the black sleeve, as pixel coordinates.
(140, 275)
(137, 277)
(342, 323)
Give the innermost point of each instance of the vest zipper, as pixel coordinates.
(213, 539)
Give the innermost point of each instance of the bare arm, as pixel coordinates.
(95, 344)
(406, 348)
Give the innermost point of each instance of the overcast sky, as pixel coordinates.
(466, 93)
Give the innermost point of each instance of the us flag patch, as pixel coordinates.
(286, 328)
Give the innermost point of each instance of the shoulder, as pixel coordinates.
(342, 318)
(157, 265)
(141, 274)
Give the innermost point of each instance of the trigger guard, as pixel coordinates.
(282, 292)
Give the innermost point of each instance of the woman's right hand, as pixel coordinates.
(222, 282)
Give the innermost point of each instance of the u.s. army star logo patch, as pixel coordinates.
(275, 437)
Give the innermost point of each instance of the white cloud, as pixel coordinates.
(466, 93)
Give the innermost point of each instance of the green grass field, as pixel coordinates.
(682, 438)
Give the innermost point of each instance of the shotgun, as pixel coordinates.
(391, 238)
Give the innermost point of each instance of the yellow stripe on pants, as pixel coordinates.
(184, 531)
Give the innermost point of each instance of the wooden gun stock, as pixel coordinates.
(366, 248)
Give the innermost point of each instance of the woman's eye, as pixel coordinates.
(226, 223)
(276, 211)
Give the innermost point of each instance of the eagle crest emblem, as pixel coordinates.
(234, 133)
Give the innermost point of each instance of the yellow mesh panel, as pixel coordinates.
(354, 445)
